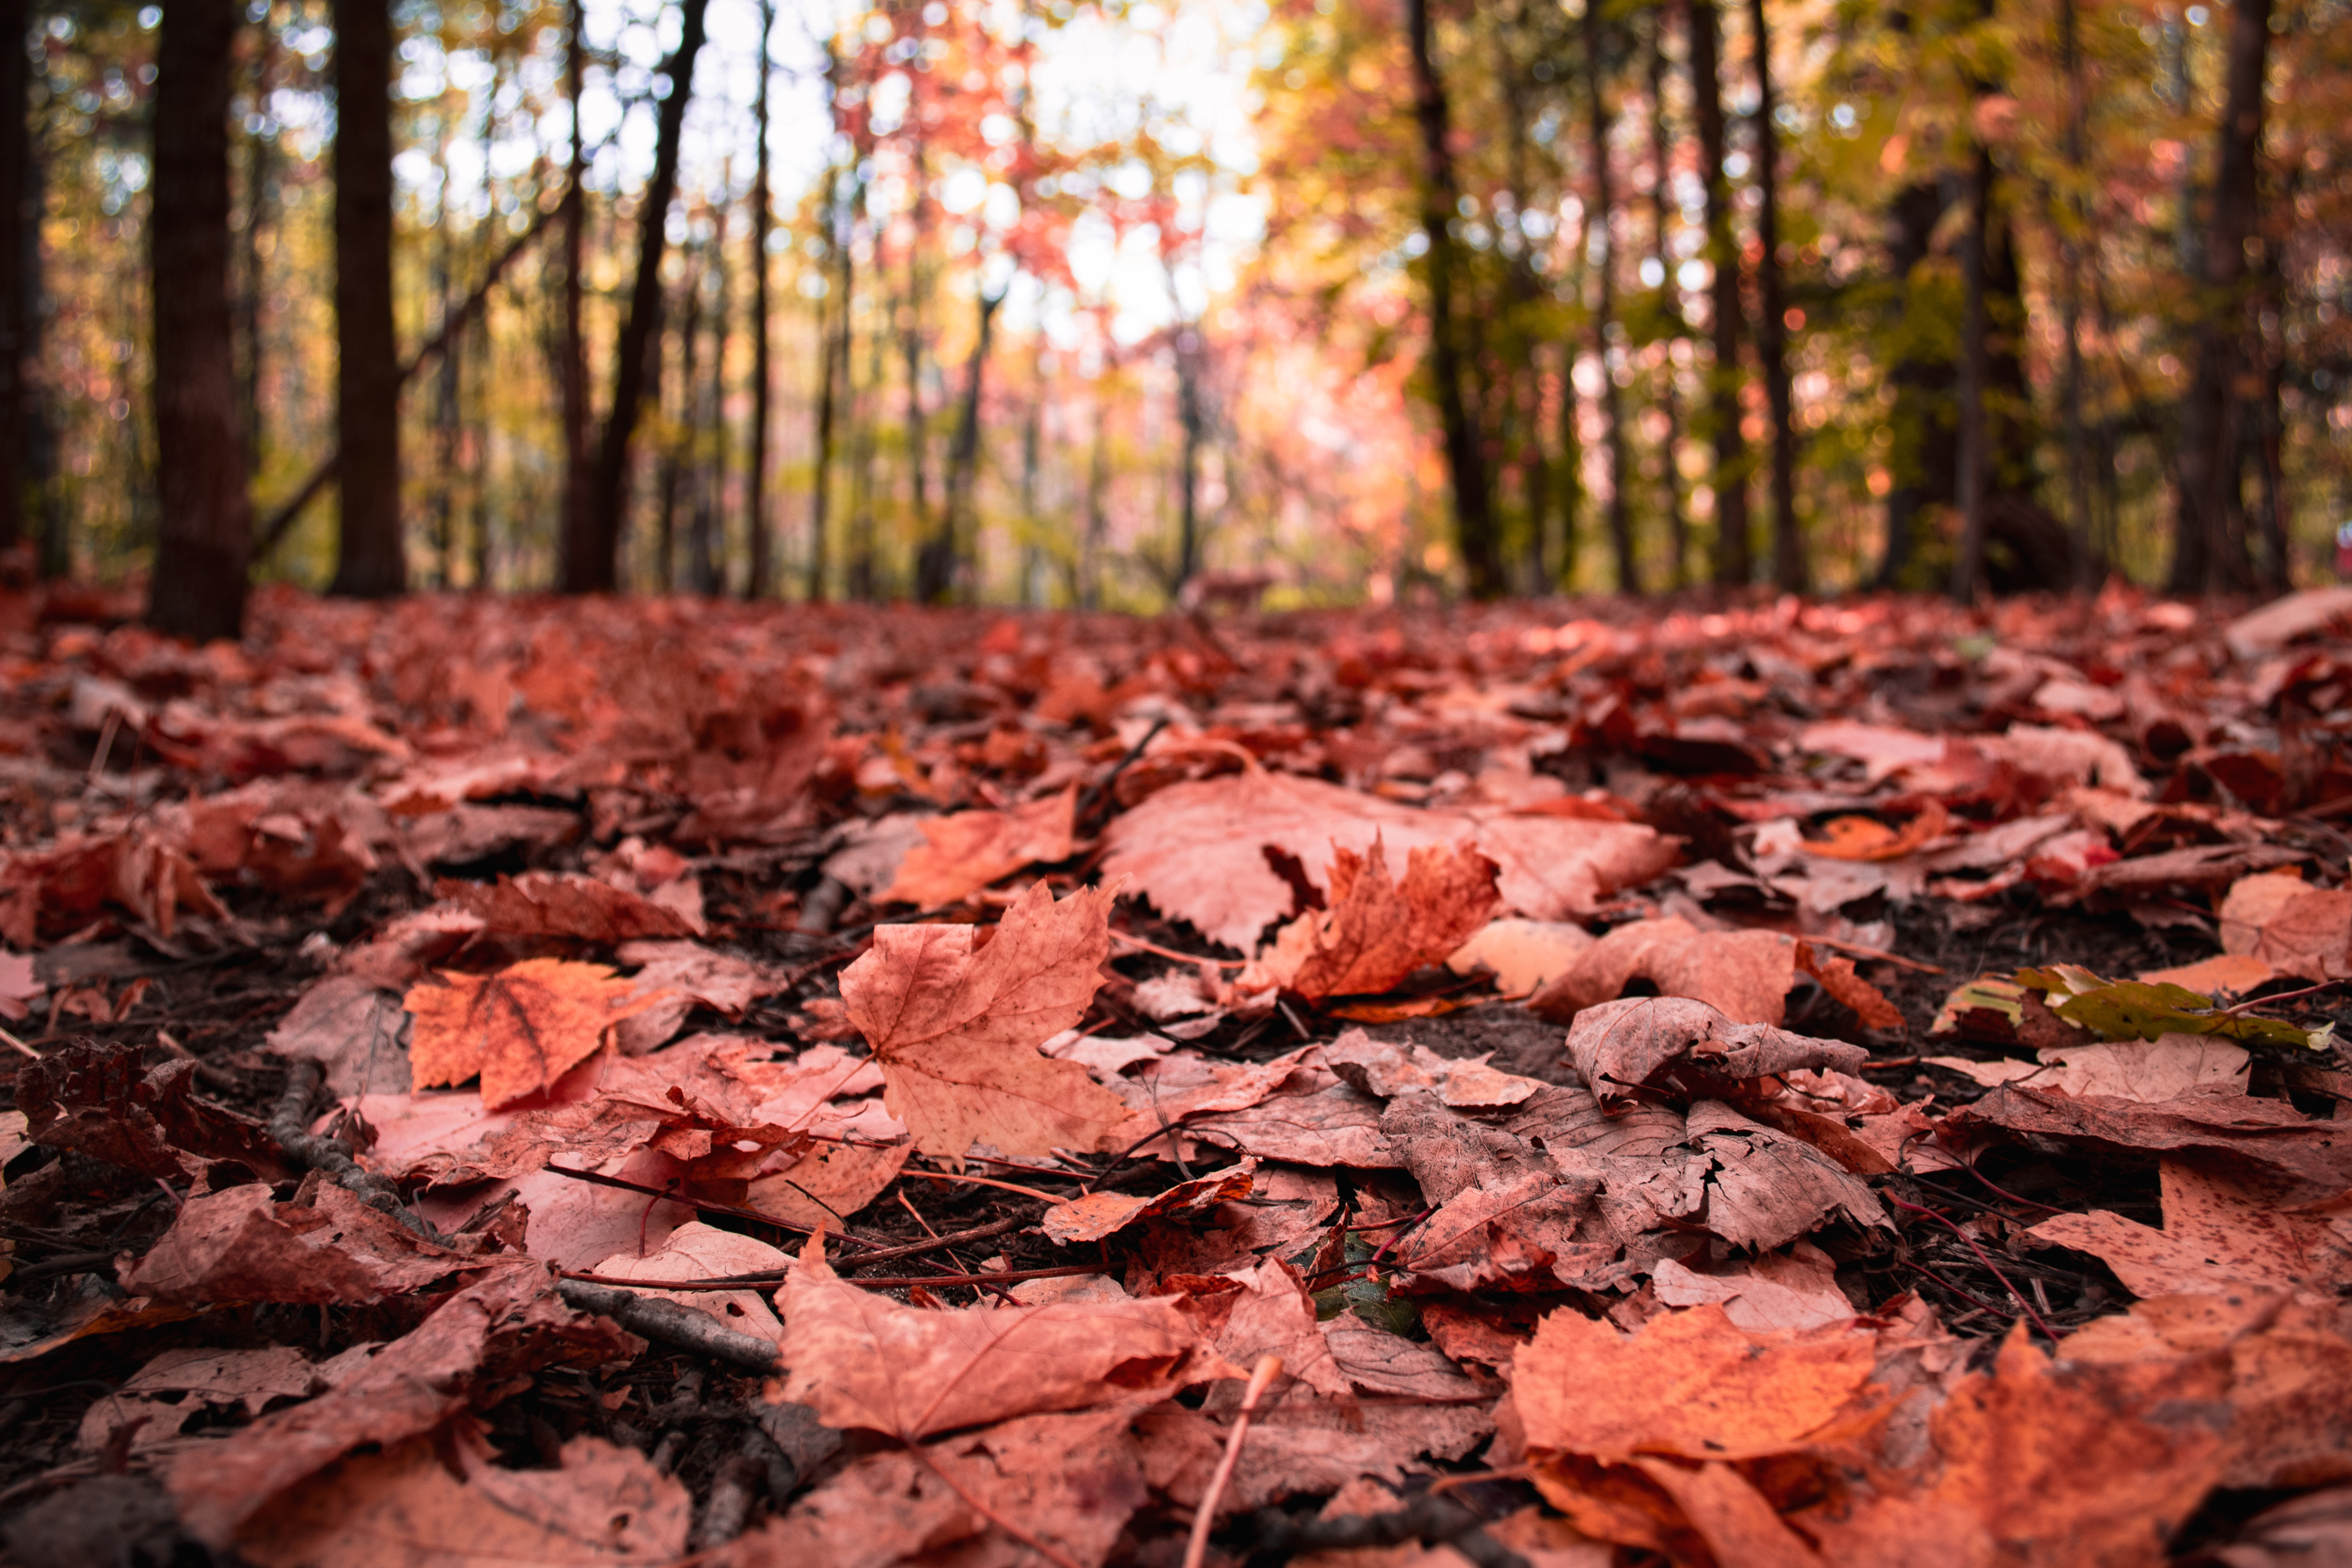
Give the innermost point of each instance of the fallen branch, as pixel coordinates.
(305, 1150)
(1268, 1368)
(650, 1317)
(1428, 1517)
(772, 1277)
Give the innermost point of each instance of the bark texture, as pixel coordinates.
(370, 560)
(1734, 562)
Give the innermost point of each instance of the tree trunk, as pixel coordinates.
(755, 510)
(1465, 461)
(945, 554)
(1604, 221)
(2073, 227)
(678, 443)
(706, 541)
(863, 584)
(20, 234)
(443, 516)
(834, 385)
(251, 283)
(573, 373)
(1670, 478)
(1771, 324)
(910, 349)
(1090, 548)
(2209, 544)
(1969, 482)
(371, 561)
(592, 558)
(1733, 562)
(1924, 462)
(198, 589)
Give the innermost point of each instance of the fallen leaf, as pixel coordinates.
(964, 851)
(1375, 932)
(98, 1099)
(2147, 1071)
(1268, 1310)
(1744, 975)
(828, 1183)
(1522, 955)
(1305, 1446)
(403, 1509)
(862, 1360)
(1620, 1046)
(956, 1025)
(518, 1029)
(2222, 1230)
(2280, 919)
(2267, 1134)
(355, 1029)
(240, 1246)
(2287, 619)
(2224, 974)
(1838, 978)
(1693, 1384)
(249, 1378)
(1374, 1361)
(2129, 1010)
(698, 1252)
(565, 904)
(1867, 839)
(1100, 1214)
(1795, 1290)
(474, 1338)
(1388, 1069)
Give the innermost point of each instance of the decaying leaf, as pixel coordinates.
(518, 1029)
(1377, 931)
(240, 1246)
(862, 1360)
(965, 851)
(1620, 1046)
(2222, 1230)
(1100, 1214)
(565, 904)
(1744, 975)
(956, 1025)
(698, 1252)
(1522, 955)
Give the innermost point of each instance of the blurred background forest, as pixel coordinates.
(1041, 302)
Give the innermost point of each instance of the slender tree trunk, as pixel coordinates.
(2210, 549)
(1465, 459)
(706, 541)
(756, 585)
(1771, 324)
(1603, 219)
(371, 562)
(1090, 548)
(2073, 225)
(1522, 383)
(573, 377)
(251, 282)
(863, 584)
(198, 589)
(1970, 483)
(835, 386)
(945, 555)
(1670, 478)
(447, 382)
(1732, 563)
(1033, 437)
(678, 456)
(910, 349)
(592, 558)
(20, 233)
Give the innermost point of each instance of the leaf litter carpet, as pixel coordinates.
(522, 1081)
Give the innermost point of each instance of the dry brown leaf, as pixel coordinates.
(520, 1029)
(249, 1378)
(1387, 1069)
(862, 1360)
(956, 1025)
(355, 1029)
(403, 1509)
(565, 904)
(2147, 1071)
(1375, 931)
(1374, 1361)
(1304, 1446)
(1101, 1214)
(699, 1251)
(2234, 974)
(1270, 1313)
(1744, 975)
(1692, 1384)
(1736, 1521)
(1793, 1291)
(2032, 1463)
(1619, 1046)
(98, 1099)
(828, 1183)
(2224, 1231)
(2269, 1136)
(1197, 850)
(1073, 1481)
(1867, 839)
(964, 851)
(2280, 919)
(240, 1246)
(474, 1339)
(1522, 955)
(1837, 976)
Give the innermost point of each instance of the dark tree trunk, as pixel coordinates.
(1465, 461)
(678, 446)
(756, 585)
(1925, 458)
(573, 374)
(1604, 218)
(927, 570)
(1192, 417)
(1670, 478)
(198, 587)
(945, 554)
(705, 554)
(1771, 325)
(1969, 482)
(251, 289)
(447, 414)
(1734, 563)
(1090, 548)
(2073, 227)
(863, 571)
(834, 388)
(2210, 550)
(371, 562)
(592, 559)
(19, 236)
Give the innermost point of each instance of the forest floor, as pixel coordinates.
(542, 1082)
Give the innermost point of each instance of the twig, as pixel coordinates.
(654, 1319)
(703, 1206)
(12, 1044)
(987, 1181)
(1051, 1555)
(1432, 1516)
(1863, 950)
(307, 1150)
(1268, 1368)
(769, 1278)
(1095, 794)
(1969, 1242)
(2230, 1012)
(1141, 945)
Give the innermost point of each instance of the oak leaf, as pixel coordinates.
(520, 1029)
(864, 1360)
(956, 1025)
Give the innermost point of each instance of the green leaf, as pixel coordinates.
(2137, 1010)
